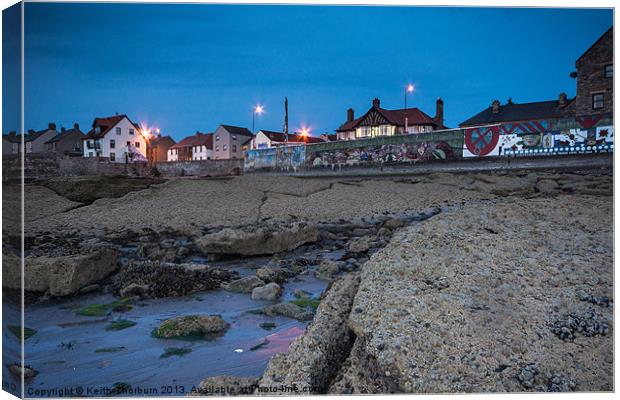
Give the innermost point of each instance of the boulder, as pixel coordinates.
(169, 279)
(268, 274)
(191, 326)
(327, 270)
(394, 223)
(270, 291)
(288, 310)
(360, 245)
(258, 240)
(225, 385)
(62, 275)
(133, 289)
(244, 285)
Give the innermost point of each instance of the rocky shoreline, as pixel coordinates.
(485, 282)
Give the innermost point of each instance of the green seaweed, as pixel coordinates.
(120, 325)
(100, 310)
(17, 331)
(306, 302)
(175, 351)
(110, 349)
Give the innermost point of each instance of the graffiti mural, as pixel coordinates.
(387, 153)
(282, 158)
(585, 134)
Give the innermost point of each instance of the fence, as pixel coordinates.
(573, 135)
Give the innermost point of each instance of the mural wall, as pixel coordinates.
(285, 158)
(589, 134)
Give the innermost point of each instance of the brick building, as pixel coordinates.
(595, 77)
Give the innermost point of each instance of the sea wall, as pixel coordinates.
(201, 168)
(576, 135)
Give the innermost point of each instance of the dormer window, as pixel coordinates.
(97, 129)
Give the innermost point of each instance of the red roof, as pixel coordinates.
(414, 116)
(105, 124)
(199, 139)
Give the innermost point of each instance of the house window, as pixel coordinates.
(112, 144)
(234, 137)
(234, 148)
(217, 138)
(225, 147)
(217, 147)
(128, 144)
(609, 71)
(97, 129)
(138, 144)
(112, 156)
(130, 131)
(90, 154)
(118, 131)
(597, 100)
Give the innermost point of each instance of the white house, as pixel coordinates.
(195, 147)
(117, 138)
(268, 139)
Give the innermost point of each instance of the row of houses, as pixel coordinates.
(118, 139)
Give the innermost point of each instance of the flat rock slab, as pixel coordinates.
(476, 300)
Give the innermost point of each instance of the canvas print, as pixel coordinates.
(233, 199)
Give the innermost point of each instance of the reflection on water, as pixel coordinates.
(73, 350)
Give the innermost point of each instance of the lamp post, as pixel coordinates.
(258, 109)
(408, 90)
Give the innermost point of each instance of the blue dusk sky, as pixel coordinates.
(185, 68)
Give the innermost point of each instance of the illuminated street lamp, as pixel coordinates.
(258, 109)
(408, 90)
(305, 131)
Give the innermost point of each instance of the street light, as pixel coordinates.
(305, 131)
(258, 109)
(408, 90)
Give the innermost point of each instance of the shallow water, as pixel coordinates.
(63, 349)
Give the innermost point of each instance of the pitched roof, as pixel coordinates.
(237, 130)
(292, 137)
(64, 134)
(512, 112)
(163, 140)
(414, 116)
(608, 31)
(106, 124)
(199, 139)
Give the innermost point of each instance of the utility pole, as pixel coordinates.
(286, 119)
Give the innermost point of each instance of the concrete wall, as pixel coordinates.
(201, 168)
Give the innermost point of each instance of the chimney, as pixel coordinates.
(76, 126)
(12, 134)
(51, 126)
(495, 106)
(62, 129)
(439, 112)
(30, 130)
(350, 115)
(562, 100)
(376, 103)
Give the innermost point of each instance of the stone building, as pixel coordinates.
(595, 77)
(68, 141)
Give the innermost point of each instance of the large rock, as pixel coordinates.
(191, 326)
(271, 291)
(257, 240)
(288, 310)
(314, 358)
(225, 385)
(268, 274)
(62, 275)
(327, 270)
(360, 245)
(244, 285)
(168, 280)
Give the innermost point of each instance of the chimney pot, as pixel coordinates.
(76, 126)
(350, 115)
(376, 103)
(51, 126)
(495, 106)
(62, 129)
(562, 100)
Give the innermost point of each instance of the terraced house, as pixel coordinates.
(196, 147)
(116, 138)
(230, 142)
